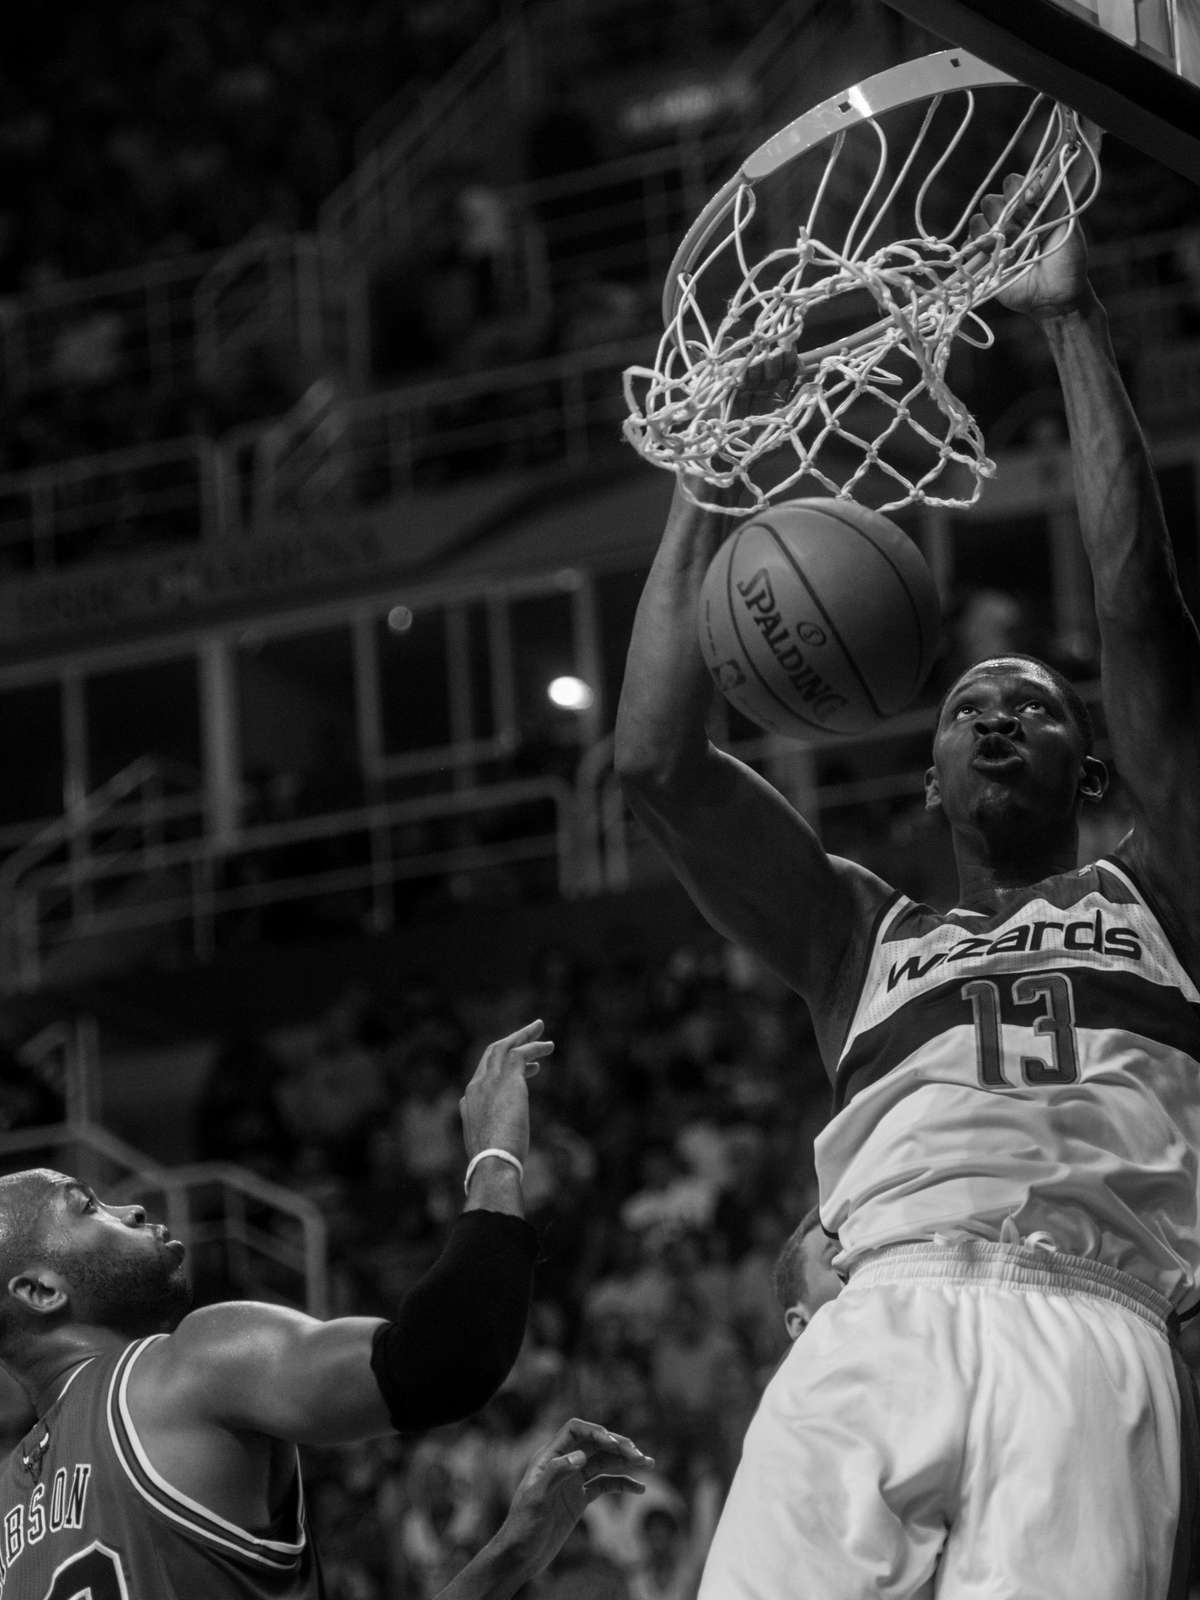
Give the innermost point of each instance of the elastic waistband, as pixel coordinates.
(1013, 1266)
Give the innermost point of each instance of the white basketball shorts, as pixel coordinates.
(967, 1421)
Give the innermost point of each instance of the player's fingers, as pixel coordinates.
(497, 1052)
(991, 208)
(530, 1056)
(593, 1437)
(618, 1460)
(981, 233)
(531, 1030)
(611, 1483)
(626, 1447)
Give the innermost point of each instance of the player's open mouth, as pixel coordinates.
(996, 754)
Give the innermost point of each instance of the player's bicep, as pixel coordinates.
(271, 1370)
(757, 871)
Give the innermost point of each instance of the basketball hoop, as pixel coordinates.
(868, 412)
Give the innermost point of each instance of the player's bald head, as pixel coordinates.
(24, 1207)
(24, 1197)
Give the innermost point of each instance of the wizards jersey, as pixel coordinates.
(84, 1513)
(1040, 1063)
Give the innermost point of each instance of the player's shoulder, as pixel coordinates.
(868, 894)
(209, 1344)
(869, 900)
(1169, 890)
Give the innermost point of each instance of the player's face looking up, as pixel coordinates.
(105, 1265)
(1010, 755)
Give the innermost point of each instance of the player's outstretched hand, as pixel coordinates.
(581, 1462)
(495, 1106)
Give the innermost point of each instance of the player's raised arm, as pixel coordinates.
(449, 1344)
(1150, 650)
(753, 865)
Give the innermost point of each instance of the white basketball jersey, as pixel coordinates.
(1040, 1062)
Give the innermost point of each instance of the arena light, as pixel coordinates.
(570, 694)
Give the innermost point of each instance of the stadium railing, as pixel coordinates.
(109, 871)
(260, 1232)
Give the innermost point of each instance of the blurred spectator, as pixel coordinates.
(670, 1198)
(238, 1117)
(421, 1139)
(443, 1523)
(335, 1090)
(583, 1572)
(691, 1357)
(675, 1543)
(31, 1092)
(615, 1524)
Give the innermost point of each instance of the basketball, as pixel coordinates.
(818, 616)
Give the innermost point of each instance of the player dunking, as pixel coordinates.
(163, 1462)
(991, 1407)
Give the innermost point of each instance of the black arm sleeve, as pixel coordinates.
(458, 1330)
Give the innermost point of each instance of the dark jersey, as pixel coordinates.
(85, 1516)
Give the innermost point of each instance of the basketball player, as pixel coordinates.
(163, 1461)
(991, 1406)
(803, 1277)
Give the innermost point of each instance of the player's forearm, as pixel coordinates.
(667, 692)
(457, 1332)
(1120, 513)
(496, 1573)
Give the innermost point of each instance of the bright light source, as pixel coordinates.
(571, 694)
(399, 619)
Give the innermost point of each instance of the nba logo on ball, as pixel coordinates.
(818, 616)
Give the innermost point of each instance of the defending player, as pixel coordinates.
(990, 1407)
(163, 1462)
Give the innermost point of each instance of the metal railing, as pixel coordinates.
(298, 292)
(267, 1238)
(412, 135)
(426, 435)
(301, 463)
(105, 505)
(132, 821)
(138, 325)
(360, 451)
(355, 862)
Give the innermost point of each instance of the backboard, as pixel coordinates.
(1133, 66)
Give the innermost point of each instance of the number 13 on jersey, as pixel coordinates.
(1054, 1020)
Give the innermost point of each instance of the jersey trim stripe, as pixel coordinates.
(1063, 894)
(1127, 875)
(274, 1554)
(876, 935)
(1103, 1000)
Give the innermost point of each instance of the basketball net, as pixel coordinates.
(873, 404)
